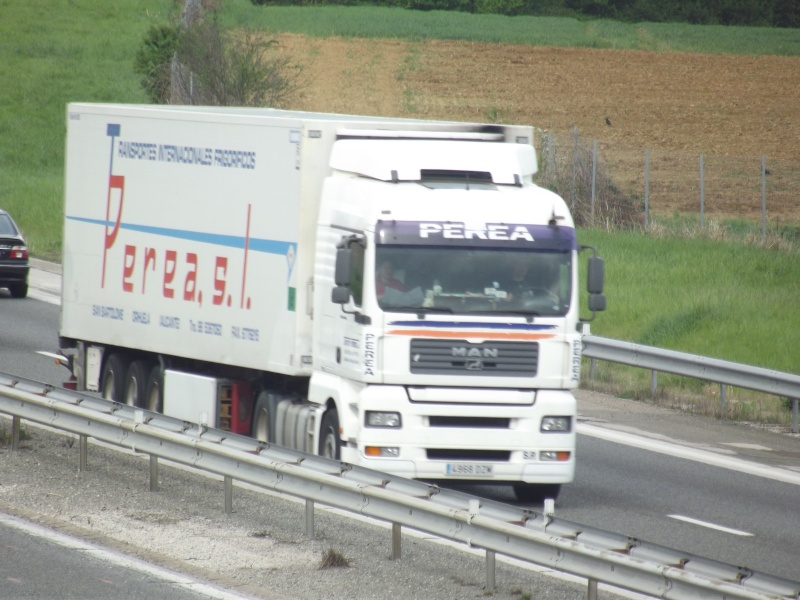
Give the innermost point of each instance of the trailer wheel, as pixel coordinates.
(329, 442)
(536, 493)
(136, 383)
(154, 390)
(112, 384)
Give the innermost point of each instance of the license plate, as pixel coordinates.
(469, 470)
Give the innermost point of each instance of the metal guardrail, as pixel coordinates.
(596, 555)
(697, 367)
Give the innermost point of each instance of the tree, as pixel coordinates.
(241, 68)
(786, 13)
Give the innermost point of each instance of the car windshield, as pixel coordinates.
(468, 280)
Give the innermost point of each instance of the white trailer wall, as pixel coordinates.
(182, 236)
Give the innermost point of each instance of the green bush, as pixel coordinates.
(153, 61)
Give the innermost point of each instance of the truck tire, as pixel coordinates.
(536, 492)
(112, 386)
(154, 390)
(330, 444)
(263, 428)
(136, 384)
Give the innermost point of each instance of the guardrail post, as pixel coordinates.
(591, 589)
(16, 429)
(722, 400)
(795, 401)
(490, 570)
(592, 364)
(228, 494)
(83, 445)
(653, 384)
(396, 527)
(310, 519)
(153, 473)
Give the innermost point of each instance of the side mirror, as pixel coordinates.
(597, 302)
(344, 267)
(595, 282)
(595, 279)
(340, 295)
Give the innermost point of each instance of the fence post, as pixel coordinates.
(310, 519)
(228, 494)
(574, 167)
(83, 450)
(702, 194)
(396, 528)
(594, 179)
(591, 589)
(153, 473)
(16, 429)
(646, 188)
(763, 198)
(491, 581)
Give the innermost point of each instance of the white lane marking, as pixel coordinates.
(460, 546)
(119, 559)
(42, 296)
(746, 446)
(710, 525)
(689, 453)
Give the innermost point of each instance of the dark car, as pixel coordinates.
(13, 257)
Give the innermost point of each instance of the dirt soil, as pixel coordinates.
(730, 108)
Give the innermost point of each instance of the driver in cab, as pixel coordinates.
(523, 282)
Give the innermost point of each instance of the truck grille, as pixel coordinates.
(456, 357)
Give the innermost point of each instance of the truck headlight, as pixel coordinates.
(376, 418)
(556, 424)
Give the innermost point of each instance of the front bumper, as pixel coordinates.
(511, 447)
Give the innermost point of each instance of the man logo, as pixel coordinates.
(465, 352)
(474, 365)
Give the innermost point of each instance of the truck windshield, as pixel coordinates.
(468, 280)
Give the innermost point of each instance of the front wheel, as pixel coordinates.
(329, 441)
(536, 493)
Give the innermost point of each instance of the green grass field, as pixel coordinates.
(721, 299)
(380, 22)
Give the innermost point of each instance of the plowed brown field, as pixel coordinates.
(727, 107)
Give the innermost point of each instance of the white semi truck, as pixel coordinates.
(394, 293)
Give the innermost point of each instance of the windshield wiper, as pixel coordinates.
(423, 310)
(416, 309)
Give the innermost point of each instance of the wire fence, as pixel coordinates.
(612, 185)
